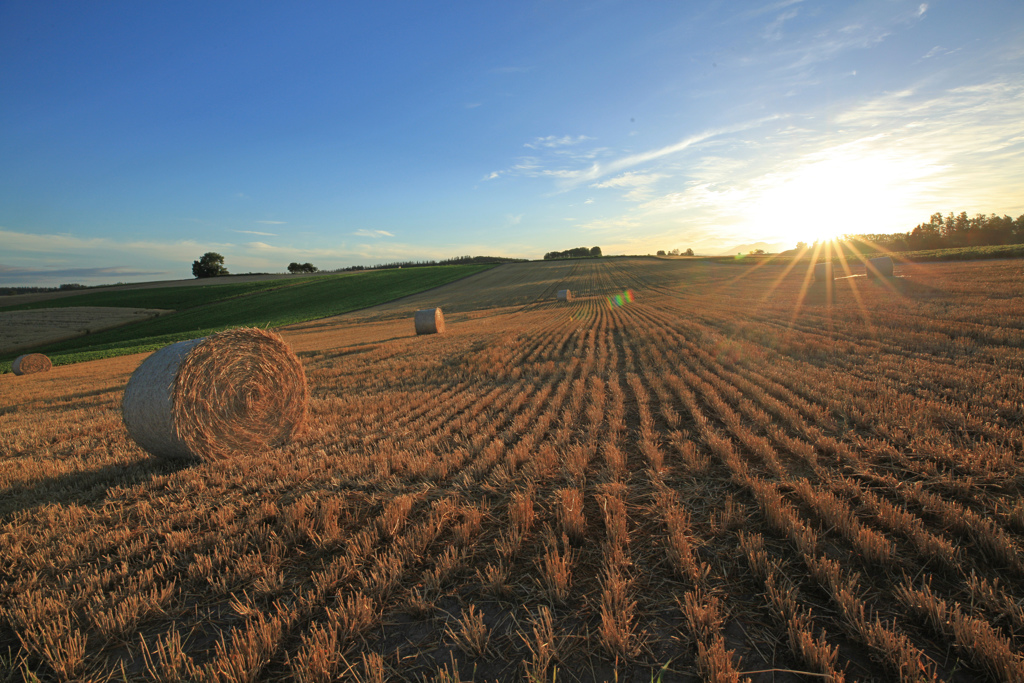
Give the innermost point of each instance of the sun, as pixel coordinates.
(831, 195)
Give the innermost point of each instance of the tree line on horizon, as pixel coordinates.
(454, 261)
(211, 264)
(578, 252)
(947, 232)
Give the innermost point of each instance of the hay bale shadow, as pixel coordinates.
(912, 289)
(821, 293)
(84, 488)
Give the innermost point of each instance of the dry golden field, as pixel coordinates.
(722, 479)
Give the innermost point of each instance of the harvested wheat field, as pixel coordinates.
(717, 477)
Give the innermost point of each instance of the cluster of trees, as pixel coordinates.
(950, 231)
(210, 264)
(675, 252)
(578, 252)
(294, 267)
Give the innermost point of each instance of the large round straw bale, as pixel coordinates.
(823, 271)
(880, 267)
(564, 295)
(31, 363)
(429, 321)
(239, 391)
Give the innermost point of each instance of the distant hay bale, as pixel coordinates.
(429, 321)
(31, 363)
(824, 272)
(239, 391)
(564, 295)
(880, 267)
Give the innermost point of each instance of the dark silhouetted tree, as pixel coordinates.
(211, 264)
(578, 252)
(302, 268)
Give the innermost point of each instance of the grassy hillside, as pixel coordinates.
(292, 302)
(174, 298)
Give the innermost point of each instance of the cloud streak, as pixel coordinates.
(375, 234)
(9, 274)
(553, 141)
(256, 232)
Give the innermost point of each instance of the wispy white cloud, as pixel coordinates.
(939, 51)
(590, 167)
(472, 105)
(881, 166)
(639, 185)
(256, 232)
(773, 31)
(552, 141)
(376, 234)
(103, 256)
(630, 179)
(768, 9)
(25, 275)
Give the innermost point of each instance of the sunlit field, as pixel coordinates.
(691, 471)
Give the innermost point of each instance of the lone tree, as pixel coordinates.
(211, 264)
(302, 268)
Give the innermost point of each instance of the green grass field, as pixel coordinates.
(239, 305)
(174, 298)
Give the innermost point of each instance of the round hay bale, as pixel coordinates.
(31, 363)
(880, 267)
(823, 272)
(429, 321)
(239, 391)
(564, 295)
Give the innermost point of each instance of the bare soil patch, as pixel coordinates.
(27, 329)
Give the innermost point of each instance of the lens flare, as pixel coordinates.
(619, 300)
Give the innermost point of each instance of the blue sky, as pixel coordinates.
(134, 137)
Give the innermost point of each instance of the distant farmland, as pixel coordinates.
(203, 309)
(718, 474)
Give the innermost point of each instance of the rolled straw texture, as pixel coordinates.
(823, 271)
(880, 267)
(236, 392)
(429, 321)
(31, 363)
(564, 295)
